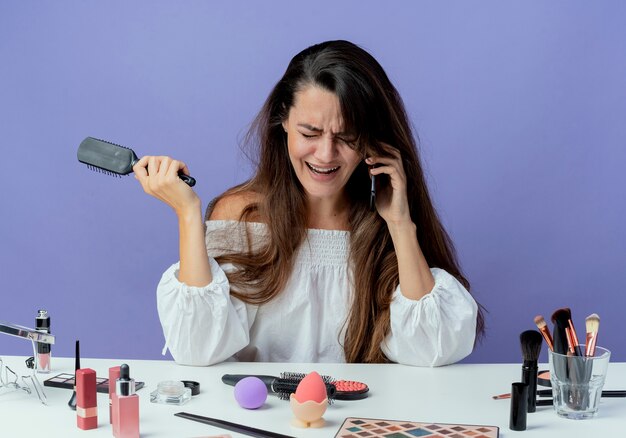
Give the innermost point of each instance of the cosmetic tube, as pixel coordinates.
(126, 406)
(519, 402)
(42, 324)
(86, 399)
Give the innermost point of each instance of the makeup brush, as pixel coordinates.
(560, 320)
(592, 324)
(72, 402)
(575, 345)
(530, 341)
(545, 332)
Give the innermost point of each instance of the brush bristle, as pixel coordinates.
(540, 321)
(592, 323)
(101, 170)
(561, 316)
(530, 341)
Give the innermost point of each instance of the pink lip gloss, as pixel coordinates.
(86, 399)
(125, 406)
(42, 324)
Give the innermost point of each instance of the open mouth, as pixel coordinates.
(322, 170)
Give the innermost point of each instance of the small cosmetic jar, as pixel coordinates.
(171, 392)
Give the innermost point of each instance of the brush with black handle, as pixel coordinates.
(279, 386)
(530, 341)
(113, 159)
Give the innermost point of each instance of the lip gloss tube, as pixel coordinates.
(126, 406)
(86, 399)
(42, 324)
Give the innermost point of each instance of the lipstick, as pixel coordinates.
(42, 324)
(125, 406)
(86, 400)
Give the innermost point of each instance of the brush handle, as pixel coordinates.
(240, 428)
(529, 376)
(189, 180)
(233, 379)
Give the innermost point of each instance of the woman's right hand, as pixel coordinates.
(159, 177)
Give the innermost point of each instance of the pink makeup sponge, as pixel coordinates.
(312, 387)
(250, 393)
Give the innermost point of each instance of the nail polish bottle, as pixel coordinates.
(86, 399)
(42, 324)
(126, 406)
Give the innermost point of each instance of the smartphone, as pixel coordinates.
(373, 193)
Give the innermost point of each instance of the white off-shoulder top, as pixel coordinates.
(305, 323)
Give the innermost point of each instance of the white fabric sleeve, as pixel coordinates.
(202, 325)
(438, 329)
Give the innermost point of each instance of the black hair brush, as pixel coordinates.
(287, 383)
(113, 159)
(279, 386)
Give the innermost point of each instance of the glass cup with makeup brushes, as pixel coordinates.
(577, 382)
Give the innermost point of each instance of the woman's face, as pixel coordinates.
(320, 152)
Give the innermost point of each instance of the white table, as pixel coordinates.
(452, 394)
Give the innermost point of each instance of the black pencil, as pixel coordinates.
(245, 430)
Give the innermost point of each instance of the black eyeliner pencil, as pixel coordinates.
(72, 402)
(234, 427)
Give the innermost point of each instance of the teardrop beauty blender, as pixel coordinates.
(312, 387)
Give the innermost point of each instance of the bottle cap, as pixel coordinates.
(125, 385)
(519, 406)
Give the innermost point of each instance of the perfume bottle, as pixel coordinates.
(125, 406)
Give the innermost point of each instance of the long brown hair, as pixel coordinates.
(371, 108)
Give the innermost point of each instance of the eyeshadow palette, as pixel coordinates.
(373, 428)
(66, 381)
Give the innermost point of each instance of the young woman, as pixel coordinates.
(293, 265)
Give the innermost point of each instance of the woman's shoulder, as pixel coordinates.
(231, 205)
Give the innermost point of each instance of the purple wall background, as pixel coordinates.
(520, 107)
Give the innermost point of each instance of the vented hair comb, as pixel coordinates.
(113, 159)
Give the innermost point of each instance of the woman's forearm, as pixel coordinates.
(416, 279)
(194, 261)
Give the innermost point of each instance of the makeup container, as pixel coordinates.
(114, 374)
(519, 406)
(171, 392)
(125, 406)
(86, 399)
(42, 324)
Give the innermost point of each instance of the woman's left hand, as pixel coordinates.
(391, 199)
